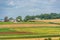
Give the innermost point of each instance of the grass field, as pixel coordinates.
(32, 32)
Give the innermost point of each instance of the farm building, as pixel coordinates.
(35, 20)
(12, 20)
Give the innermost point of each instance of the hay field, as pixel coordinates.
(49, 20)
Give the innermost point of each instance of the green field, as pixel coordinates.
(2, 23)
(37, 32)
(6, 23)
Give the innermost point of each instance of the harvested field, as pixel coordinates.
(49, 20)
(26, 25)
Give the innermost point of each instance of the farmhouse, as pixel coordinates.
(35, 20)
(13, 20)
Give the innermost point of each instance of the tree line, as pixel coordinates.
(41, 16)
(18, 19)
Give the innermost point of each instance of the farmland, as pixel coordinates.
(30, 32)
(42, 29)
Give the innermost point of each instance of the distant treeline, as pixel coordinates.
(41, 16)
(49, 16)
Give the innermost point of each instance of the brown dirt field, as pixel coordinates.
(26, 25)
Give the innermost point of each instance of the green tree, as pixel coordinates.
(43, 16)
(27, 18)
(54, 15)
(19, 19)
(6, 19)
(11, 18)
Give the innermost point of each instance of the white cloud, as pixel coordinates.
(29, 3)
(11, 3)
(22, 3)
(52, 1)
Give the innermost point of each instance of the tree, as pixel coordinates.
(11, 18)
(43, 16)
(19, 19)
(54, 15)
(27, 18)
(6, 19)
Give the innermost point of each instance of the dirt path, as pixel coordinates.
(26, 25)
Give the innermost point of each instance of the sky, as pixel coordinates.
(14, 8)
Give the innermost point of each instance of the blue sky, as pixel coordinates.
(14, 8)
